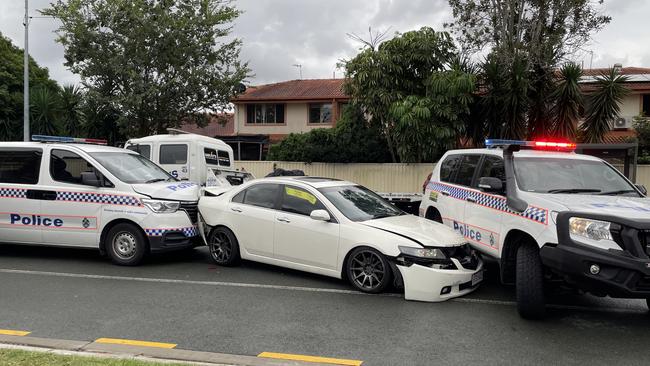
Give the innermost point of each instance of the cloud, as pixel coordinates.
(277, 34)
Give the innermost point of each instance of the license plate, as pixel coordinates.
(477, 278)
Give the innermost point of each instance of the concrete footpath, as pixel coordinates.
(143, 353)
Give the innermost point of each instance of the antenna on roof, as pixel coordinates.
(299, 66)
(176, 131)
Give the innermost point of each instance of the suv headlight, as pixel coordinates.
(427, 253)
(159, 206)
(592, 232)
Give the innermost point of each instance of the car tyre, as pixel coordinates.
(224, 247)
(368, 270)
(125, 244)
(529, 282)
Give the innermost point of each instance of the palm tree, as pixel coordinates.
(71, 112)
(44, 111)
(568, 102)
(603, 105)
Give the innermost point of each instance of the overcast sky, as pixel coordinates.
(280, 33)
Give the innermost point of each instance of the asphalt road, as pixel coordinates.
(183, 298)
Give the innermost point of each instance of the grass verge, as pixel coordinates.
(13, 357)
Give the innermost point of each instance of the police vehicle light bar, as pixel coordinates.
(541, 145)
(44, 138)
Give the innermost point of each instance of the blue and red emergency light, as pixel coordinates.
(79, 140)
(539, 145)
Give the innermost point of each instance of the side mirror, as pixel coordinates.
(642, 188)
(490, 184)
(320, 215)
(91, 179)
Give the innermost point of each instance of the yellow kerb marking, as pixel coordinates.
(289, 356)
(14, 332)
(130, 342)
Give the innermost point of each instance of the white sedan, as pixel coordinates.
(338, 229)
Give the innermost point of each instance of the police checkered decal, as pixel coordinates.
(187, 231)
(111, 199)
(498, 203)
(13, 193)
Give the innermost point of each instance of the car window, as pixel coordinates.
(173, 154)
(262, 195)
(466, 170)
(448, 168)
(299, 201)
(239, 197)
(68, 167)
(144, 150)
(493, 167)
(20, 166)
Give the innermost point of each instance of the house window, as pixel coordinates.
(645, 108)
(264, 113)
(320, 112)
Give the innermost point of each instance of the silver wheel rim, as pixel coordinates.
(367, 269)
(220, 247)
(125, 245)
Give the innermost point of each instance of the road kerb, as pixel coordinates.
(11, 332)
(306, 358)
(133, 342)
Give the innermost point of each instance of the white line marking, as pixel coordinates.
(306, 289)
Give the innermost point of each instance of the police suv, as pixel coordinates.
(68, 192)
(546, 214)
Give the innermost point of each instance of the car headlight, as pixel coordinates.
(592, 232)
(159, 206)
(427, 253)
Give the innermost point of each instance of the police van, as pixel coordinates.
(188, 156)
(75, 192)
(547, 215)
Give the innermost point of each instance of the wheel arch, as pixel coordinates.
(433, 214)
(111, 224)
(344, 275)
(513, 240)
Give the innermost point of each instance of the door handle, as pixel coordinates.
(283, 219)
(470, 199)
(444, 193)
(236, 209)
(49, 196)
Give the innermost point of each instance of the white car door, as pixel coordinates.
(483, 221)
(76, 206)
(300, 239)
(251, 214)
(20, 194)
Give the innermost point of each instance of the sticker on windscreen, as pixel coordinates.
(300, 194)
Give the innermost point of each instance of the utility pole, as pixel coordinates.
(26, 78)
(299, 66)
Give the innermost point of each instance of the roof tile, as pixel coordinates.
(306, 89)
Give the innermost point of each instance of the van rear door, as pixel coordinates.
(174, 158)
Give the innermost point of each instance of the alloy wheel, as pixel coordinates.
(367, 269)
(220, 247)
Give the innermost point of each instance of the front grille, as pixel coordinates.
(464, 254)
(644, 239)
(192, 210)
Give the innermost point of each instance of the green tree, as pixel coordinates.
(44, 109)
(156, 62)
(100, 119)
(71, 113)
(383, 74)
(603, 105)
(642, 128)
(11, 88)
(568, 102)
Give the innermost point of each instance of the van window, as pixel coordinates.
(466, 170)
(20, 166)
(262, 195)
(224, 158)
(173, 154)
(67, 167)
(144, 150)
(211, 156)
(448, 168)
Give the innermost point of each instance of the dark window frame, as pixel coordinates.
(474, 179)
(97, 171)
(645, 105)
(275, 203)
(138, 147)
(320, 107)
(478, 175)
(38, 152)
(280, 110)
(454, 170)
(160, 152)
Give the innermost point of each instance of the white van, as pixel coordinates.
(61, 193)
(189, 156)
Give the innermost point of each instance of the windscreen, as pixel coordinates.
(132, 168)
(557, 175)
(358, 203)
